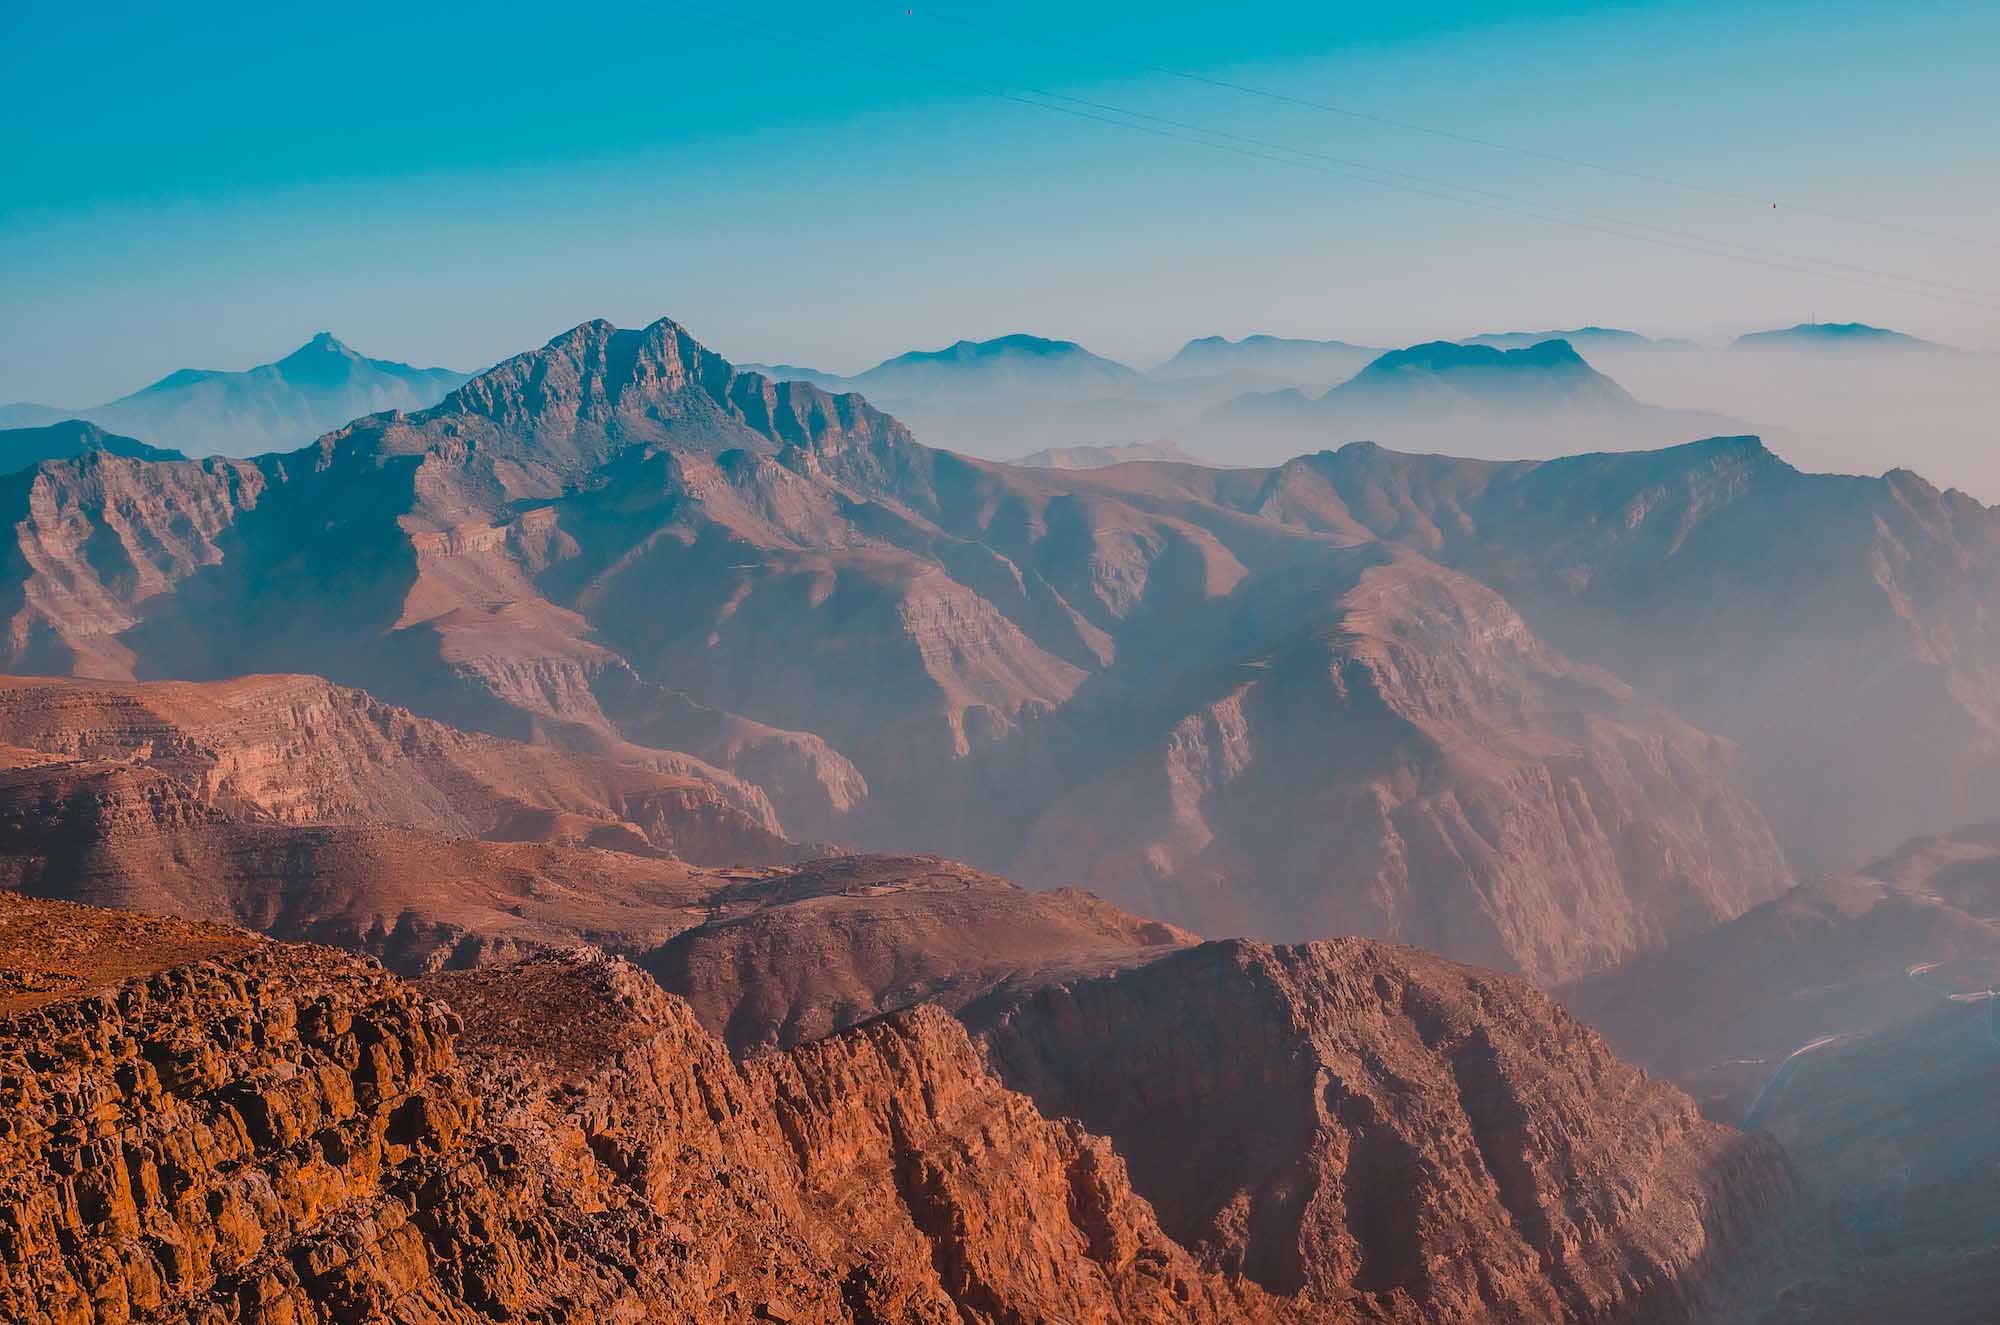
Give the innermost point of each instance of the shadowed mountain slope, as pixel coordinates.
(1853, 1020)
(1841, 955)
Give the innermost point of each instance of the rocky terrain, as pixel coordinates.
(297, 750)
(203, 1125)
(792, 955)
(213, 1128)
(1395, 753)
(1413, 1133)
(310, 812)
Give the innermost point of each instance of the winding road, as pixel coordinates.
(1990, 997)
(1768, 1097)
(1782, 1078)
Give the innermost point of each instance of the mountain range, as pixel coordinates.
(1267, 362)
(1569, 722)
(1832, 396)
(547, 696)
(274, 406)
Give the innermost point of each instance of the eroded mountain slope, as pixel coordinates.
(1391, 751)
(1406, 1133)
(298, 750)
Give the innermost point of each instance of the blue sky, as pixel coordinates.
(831, 184)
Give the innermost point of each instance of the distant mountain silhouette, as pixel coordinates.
(275, 406)
(25, 414)
(1101, 457)
(1832, 334)
(1549, 369)
(1592, 339)
(1019, 354)
(1003, 396)
(1268, 362)
(1476, 400)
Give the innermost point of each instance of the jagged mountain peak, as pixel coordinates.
(547, 418)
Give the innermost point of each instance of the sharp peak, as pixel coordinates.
(322, 343)
(600, 328)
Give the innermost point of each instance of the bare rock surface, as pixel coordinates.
(217, 1128)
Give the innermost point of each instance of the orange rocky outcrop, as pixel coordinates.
(203, 1126)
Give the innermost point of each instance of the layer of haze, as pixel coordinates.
(832, 185)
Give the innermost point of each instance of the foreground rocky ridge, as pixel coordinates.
(208, 1126)
(282, 1134)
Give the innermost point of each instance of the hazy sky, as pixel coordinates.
(830, 184)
